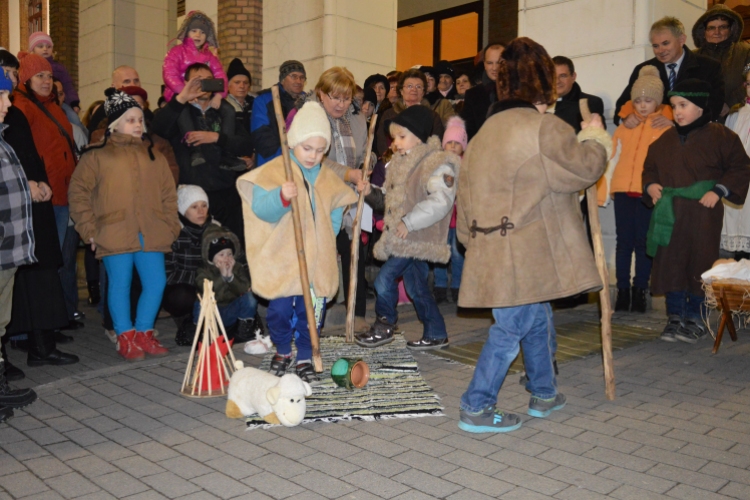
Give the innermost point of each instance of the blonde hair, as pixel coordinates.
(669, 23)
(336, 81)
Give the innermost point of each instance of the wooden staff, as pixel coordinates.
(356, 231)
(299, 240)
(601, 264)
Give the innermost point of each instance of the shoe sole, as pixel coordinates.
(20, 406)
(374, 344)
(431, 348)
(687, 340)
(545, 413)
(478, 429)
(668, 338)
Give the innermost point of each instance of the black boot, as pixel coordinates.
(185, 331)
(94, 293)
(12, 373)
(638, 302)
(13, 398)
(623, 300)
(258, 327)
(42, 350)
(6, 413)
(245, 330)
(440, 294)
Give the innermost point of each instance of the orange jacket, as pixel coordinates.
(59, 160)
(634, 145)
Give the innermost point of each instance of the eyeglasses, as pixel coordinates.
(711, 29)
(300, 78)
(340, 100)
(413, 87)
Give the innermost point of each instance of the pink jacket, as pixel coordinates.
(180, 57)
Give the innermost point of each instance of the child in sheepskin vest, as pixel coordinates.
(271, 251)
(417, 198)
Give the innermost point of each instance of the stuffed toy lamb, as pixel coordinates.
(276, 400)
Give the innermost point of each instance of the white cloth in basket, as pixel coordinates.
(734, 270)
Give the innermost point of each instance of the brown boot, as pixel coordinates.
(127, 347)
(148, 344)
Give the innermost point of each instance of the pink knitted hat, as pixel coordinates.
(455, 130)
(39, 37)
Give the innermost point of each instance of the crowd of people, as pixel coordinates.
(475, 176)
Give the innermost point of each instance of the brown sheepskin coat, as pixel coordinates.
(271, 249)
(521, 174)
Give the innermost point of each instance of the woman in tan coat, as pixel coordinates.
(519, 218)
(123, 201)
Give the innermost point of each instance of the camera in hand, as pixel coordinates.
(212, 85)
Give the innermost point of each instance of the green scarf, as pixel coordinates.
(662, 220)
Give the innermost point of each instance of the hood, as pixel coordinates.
(196, 14)
(214, 231)
(735, 31)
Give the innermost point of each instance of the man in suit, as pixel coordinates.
(569, 94)
(675, 64)
(478, 99)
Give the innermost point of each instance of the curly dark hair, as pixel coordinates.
(411, 73)
(527, 73)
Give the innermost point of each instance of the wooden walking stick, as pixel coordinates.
(601, 264)
(356, 231)
(299, 240)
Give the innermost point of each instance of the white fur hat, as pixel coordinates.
(310, 121)
(187, 194)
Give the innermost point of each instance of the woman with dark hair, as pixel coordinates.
(38, 302)
(411, 88)
(519, 218)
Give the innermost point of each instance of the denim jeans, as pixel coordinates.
(415, 274)
(243, 307)
(632, 218)
(62, 214)
(456, 263)
(528, 326)
(150, 267)
(68, 276)
(685, 305)
(285, 317)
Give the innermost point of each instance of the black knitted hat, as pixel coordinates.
(694, 90)
(444, 68)
(237, 68)
(377, 78)
(217, 245)
(117, 103)
(416, 119)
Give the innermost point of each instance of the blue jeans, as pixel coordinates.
(415, 281)
(528, 326)
(456, 263)
(685, 305)
(68, 276)
(632, 218)
(243, 307)
(284, 317)
(62, 214)
(150, 267)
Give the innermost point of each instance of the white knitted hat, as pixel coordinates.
(187, 194)
(310, 121)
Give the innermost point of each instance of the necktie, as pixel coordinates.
(672, 75)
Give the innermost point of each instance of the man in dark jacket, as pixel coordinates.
(221, 145)
(569, 94)
(263, 127)
(675, 64)
(478, 99)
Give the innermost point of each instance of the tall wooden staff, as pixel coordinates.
(356, 231)
(601, 264)
(301, 258)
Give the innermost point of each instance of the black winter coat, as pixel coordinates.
(569, 110)
(693, 66)
(477, 103)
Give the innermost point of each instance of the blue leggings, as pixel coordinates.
(150, 267)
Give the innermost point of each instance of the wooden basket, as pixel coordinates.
(730, 296)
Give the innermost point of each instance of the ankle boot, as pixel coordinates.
(13, 398)
(43, 351)
(126, 347)
(12, 373)
(623, 300)
(258, 327)
(146, 342)
(638, 302)
(94, 292)
(440, 294)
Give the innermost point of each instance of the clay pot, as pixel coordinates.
(350, 373)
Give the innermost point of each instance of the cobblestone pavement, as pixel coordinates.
(679, 428)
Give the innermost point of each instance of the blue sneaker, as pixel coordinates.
(541, 408)
(489, 420)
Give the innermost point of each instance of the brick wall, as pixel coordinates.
(241, 35)
(63, 23)
(503, 20)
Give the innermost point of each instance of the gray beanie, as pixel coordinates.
(291, 66)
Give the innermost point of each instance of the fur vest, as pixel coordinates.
(271, 249)
(405, 186)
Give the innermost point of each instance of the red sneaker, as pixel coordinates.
(127, 348)
(148, 344)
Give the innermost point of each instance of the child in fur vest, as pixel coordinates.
(271, 250)
(417, 198)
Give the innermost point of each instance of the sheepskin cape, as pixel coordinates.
(405, 186)
(271, 249)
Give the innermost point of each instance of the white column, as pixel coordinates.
(357, 34)
(14, 26)
(114, 33)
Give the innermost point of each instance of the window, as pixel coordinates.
(35, 16)
(451, 34)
